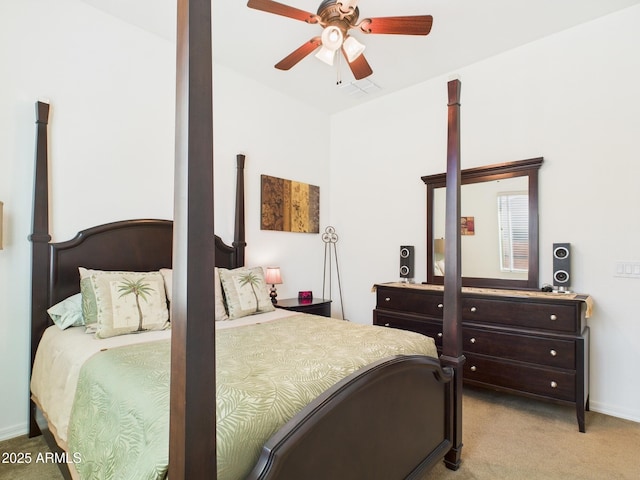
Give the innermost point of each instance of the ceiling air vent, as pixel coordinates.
(359, 88)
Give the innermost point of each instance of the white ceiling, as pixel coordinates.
(464, 32)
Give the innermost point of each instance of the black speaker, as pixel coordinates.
(407, 261)
(562, 265)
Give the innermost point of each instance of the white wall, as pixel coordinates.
(275, 133)
(111, 88)
(570, 98)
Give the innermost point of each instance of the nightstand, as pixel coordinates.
(316, 306)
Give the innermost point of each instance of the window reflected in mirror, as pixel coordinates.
(497, 241)
(513, 231)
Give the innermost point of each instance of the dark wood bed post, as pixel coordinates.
(452, 326)
(40, 243)
(239, 234)
(192, 430)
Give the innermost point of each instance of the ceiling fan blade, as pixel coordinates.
(294, 57)
(285, 10)
(411, 25)
(359, 67)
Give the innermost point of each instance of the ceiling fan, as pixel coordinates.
(337, 17)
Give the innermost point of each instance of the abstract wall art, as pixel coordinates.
(289, 206)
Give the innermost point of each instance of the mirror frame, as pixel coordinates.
(488, 173)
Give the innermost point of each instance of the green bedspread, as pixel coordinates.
(266, 373)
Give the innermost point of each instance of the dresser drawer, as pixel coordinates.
(425, 327)
(409, 300)
(555, 317)
(548, 382)
(523, 348)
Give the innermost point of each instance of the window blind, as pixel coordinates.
(513, 223)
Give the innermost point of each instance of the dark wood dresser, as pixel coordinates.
(526, 342)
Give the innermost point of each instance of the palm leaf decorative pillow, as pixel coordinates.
(124, 302)
(245, 291)
(140, 289)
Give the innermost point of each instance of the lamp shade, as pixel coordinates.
(272, 276)
(326, 55)
(332, 37)
(352, 48)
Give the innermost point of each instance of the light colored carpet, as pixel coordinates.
(24, 447)
(505, 438)
(511, 438)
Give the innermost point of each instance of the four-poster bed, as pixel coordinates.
(393, 418)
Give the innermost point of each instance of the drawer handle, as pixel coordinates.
(439, 334)
(553, 353)
(440, 305)
(388, 299)
(553, 317)
(473, 368)
(473, 309)
(473, 340)
(554, 385)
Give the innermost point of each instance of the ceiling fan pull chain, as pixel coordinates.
(338, 76)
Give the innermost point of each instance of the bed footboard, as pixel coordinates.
(390, 420)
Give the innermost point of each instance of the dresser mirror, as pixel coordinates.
(499, 225)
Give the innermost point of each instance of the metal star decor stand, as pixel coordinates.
(330, 238)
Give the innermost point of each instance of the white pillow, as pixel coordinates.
(221, 311)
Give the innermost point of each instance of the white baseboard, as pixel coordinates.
(14, 431)
(615, 411)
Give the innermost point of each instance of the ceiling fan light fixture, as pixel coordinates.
(326, 55)
(332, 38)
(337, 18)
(352, 48)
